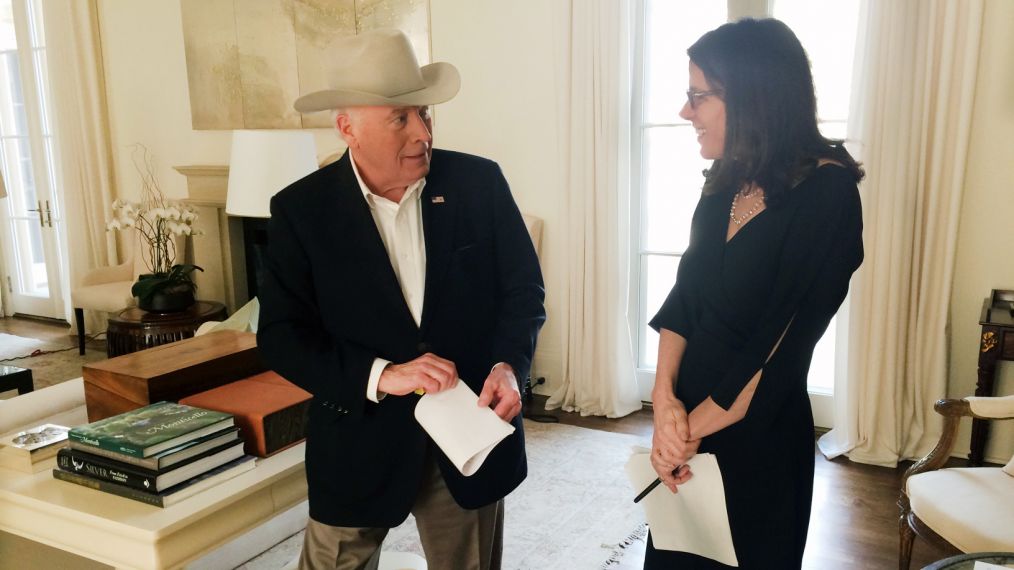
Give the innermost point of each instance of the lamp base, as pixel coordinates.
(255, 246)
(528, 398)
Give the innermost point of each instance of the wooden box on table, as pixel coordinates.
(169, 372)
(270, 411)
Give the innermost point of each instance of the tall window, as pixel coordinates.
(666, 156)
(668, 167)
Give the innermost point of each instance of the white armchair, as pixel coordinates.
(969, 509)
(105, 289)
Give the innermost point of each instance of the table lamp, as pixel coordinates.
(262, 163)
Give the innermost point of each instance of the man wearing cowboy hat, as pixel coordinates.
(398, 268)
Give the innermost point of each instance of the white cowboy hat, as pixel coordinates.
(380, 68)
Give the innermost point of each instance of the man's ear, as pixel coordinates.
(343, 123)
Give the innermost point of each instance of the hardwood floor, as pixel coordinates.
(63, 334)
(854, 522)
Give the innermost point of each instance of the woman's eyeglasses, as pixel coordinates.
(694, 98)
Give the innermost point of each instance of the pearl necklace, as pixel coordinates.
(749, 213)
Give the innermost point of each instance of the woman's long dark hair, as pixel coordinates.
(771, 135)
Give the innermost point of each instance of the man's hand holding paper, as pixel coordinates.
(501, 391)
(465, 431)
(429, 373)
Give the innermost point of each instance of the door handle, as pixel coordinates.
(42, 223)
(45, 215)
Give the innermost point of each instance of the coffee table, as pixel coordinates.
(128, 534)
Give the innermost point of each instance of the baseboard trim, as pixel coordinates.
(46, 320)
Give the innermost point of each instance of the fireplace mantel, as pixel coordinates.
(220, 250)
(207, 185)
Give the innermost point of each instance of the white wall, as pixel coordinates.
(505, 111)
(985, 248)
(146, 85)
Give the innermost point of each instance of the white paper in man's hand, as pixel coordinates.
(463, 430)
(695, 519)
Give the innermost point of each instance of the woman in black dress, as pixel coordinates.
(773, 243)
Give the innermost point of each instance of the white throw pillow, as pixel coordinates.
(244, 319)
(1009, 468)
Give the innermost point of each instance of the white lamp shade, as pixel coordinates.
(264, 162)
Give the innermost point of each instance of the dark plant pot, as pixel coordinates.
(168, 301)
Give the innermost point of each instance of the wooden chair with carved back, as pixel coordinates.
(963, 509)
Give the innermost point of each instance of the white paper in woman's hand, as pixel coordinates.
(693, 520)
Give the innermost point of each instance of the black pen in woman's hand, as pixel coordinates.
(651, 487)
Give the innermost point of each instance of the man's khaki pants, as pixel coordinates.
(453, 538)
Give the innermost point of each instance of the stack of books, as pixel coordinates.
(159, 454)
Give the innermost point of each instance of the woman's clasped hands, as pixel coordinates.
(671, 446)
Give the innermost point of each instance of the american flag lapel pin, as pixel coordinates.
(437, 199)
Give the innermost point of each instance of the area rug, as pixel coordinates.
(574, 511)
(11, 346)
(56, 363)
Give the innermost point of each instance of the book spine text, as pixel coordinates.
(122, 474)
(108, 487)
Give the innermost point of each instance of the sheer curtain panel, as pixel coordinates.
(599, 370)
(84, 160)
(910, 120)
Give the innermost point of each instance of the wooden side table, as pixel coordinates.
(134, 329)
(996, 343)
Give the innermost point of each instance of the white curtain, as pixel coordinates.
(911, 116)
(82, 140)
(594, 80)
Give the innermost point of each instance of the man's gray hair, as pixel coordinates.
(349, 112)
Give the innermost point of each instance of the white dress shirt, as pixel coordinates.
(401, 229)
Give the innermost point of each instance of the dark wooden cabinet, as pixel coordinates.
(996, 343)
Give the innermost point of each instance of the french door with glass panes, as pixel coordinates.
(30, 216)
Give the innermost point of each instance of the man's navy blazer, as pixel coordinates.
(331, 303)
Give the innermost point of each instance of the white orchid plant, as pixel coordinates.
(157, 221)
